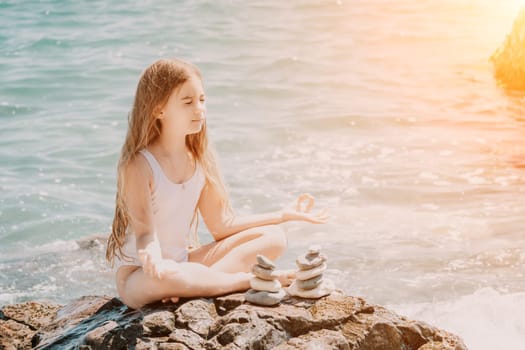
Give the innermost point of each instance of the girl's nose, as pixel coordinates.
(200, 109)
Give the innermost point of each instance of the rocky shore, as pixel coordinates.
(336, 321)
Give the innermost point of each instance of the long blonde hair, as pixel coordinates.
(155, 86)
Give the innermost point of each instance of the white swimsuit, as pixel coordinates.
(173, 208)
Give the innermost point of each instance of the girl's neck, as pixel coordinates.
(171, 147)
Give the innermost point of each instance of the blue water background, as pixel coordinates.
(386, 111)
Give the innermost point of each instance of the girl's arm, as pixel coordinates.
(221, 224)
(138, 177)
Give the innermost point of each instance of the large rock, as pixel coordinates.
(333, 322)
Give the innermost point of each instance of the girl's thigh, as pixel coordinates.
(212, 252)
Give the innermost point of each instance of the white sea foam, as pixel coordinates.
(486, 320)
(25, 250)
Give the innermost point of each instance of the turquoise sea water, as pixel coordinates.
(386, 111)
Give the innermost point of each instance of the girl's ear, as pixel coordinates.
(158, 113)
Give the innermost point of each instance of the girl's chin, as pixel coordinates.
(195, 130)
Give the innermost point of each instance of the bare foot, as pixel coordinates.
(172, 299)
(244, 280)
(286, 277)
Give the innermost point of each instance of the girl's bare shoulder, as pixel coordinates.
(138, 170)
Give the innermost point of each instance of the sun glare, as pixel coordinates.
(509, 58)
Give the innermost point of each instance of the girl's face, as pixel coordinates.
(185, 110)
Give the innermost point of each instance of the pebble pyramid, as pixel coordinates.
(310, 282)
(265, 288)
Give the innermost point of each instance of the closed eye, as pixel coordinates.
(190, 102)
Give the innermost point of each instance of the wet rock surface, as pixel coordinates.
(336, 321)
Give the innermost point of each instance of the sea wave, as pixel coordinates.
(487, 319)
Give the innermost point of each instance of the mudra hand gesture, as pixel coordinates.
(302, 211)
(154, 265)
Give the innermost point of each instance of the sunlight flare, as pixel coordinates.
(509, 58)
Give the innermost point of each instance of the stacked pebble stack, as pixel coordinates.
(266, 289)
(309, 281)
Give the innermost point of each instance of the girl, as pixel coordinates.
(166, 174)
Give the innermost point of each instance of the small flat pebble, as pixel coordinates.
(309, 284)
(314, 249)
(306, 263)
(263, 285)
(265, 262)
(322, 290)
(311, 273)
(264, 298)
(262, 273)
(312, 256)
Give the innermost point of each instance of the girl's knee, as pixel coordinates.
(121, 280)
(129, 299)
(138, 289)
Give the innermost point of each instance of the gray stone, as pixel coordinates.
(310, 283)
(264, 285)
(314, 249)
(264, 262)
(264, 298)
(306, 262)
(325, 288)
(263, 273)
(311, 273)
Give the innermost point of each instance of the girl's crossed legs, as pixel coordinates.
(214, 269)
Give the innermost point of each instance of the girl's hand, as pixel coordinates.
(155, 266)
(302, 211)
